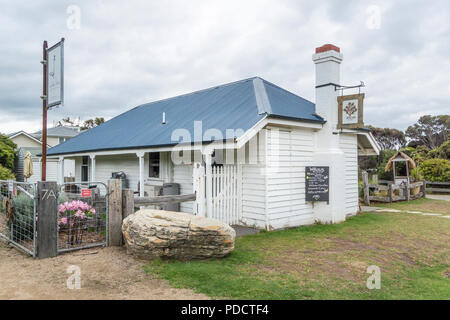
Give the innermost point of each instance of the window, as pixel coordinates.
(154, 162)
(217, 157)
(85, 169)
(61, 139)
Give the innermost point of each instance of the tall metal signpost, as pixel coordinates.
(53, 90)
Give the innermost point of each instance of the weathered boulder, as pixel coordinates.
(152, 233)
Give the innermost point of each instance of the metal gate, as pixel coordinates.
(18, 215)
(82, 216)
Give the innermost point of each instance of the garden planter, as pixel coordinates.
(415, 191)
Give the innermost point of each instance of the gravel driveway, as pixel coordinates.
(106, 273)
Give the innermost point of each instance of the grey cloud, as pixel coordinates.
(129, 53)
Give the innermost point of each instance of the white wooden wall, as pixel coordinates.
(52, 171)
(275, 192)
(349, 145)
(253, 183)
(106, 165)
(182, 174)
(286, 204)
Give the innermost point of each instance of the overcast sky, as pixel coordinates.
(126, 53)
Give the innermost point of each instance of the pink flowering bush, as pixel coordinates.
(72, 217)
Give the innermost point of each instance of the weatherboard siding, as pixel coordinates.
(348, 144)
(51, 170)
(182, 174)
(253, 182)
(289, 152)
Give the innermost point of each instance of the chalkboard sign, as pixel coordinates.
(317, 183)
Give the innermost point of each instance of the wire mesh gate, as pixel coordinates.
(82, 216)
(18, 203)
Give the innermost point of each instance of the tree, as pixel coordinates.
(7, 152)
(437, 170)
(388, 138)
(6, 174)
(66, 122)
(430, 131)
(442, 152)
(91, 123)
(88, 124)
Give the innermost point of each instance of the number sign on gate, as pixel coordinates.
(86, 193)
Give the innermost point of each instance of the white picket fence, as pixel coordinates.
(226, 194)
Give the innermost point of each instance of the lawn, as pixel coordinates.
(327, 262)
(422, 205)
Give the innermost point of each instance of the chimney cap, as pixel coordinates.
(327, 47)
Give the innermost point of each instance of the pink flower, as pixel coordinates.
(64, 220)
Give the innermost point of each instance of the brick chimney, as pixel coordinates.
(328, 60)
(328, 152)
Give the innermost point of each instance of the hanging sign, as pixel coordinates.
(55, 75)
(350, 111)
(317, 185)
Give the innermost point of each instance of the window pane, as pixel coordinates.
(154, 162)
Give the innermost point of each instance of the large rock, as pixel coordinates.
(155, 233)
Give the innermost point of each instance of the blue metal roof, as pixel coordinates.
(237, 105)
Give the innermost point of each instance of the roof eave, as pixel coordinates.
(320, 121)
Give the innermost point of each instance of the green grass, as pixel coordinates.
(327, 262)
(420, 205)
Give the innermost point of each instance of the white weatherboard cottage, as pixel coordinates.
(244, 149)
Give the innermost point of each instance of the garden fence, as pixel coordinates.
(18, 203)
(82, 216)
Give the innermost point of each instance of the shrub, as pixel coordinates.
(5, 173)
(385, 155)
(437, 170)
(7, 152)
(23, 218)
(73, 217)
(415, 175)
(420, 154)
(408, 151)
(442, 152)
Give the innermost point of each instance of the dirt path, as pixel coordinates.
(445, 197)
(106, 273)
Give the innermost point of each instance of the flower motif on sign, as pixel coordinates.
(350, 108)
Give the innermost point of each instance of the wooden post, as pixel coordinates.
(407, 193)
(115, 212)
(61, 170)
(390, 192)
(375, 179)
(47, 224)
(44, 114)
(422, 188)
(141, 174)
(208, 164)
(365, 177)
(127, 203)
(93, 168)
